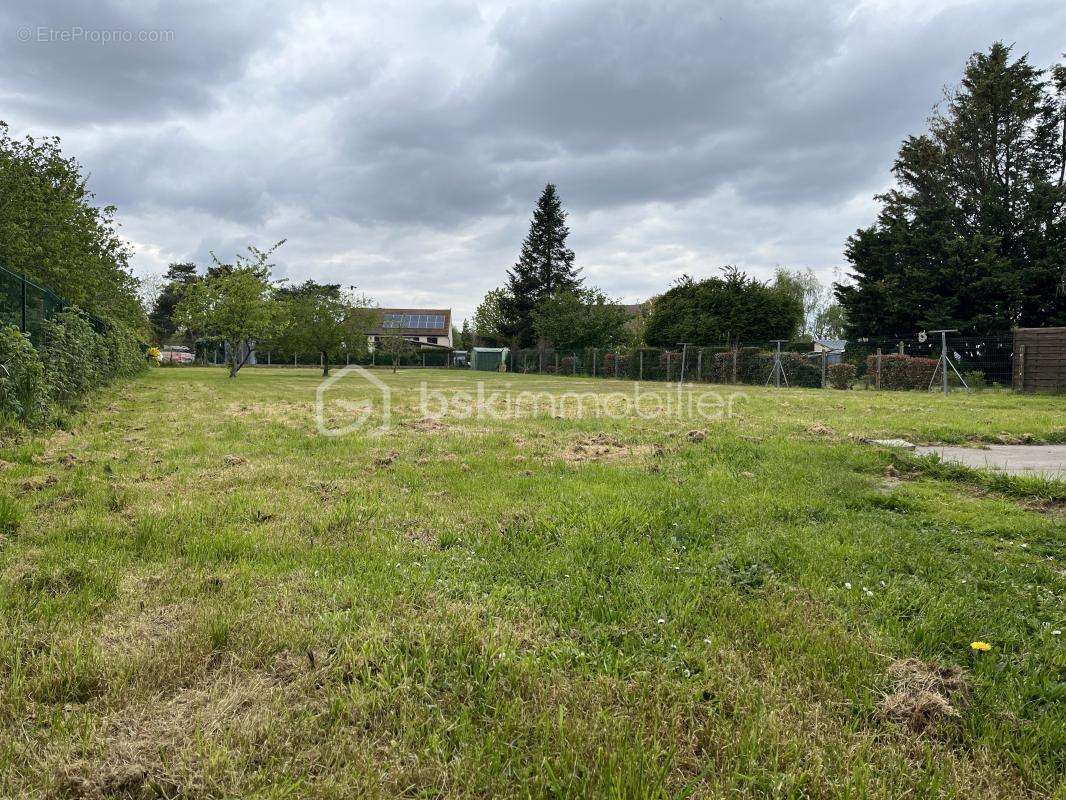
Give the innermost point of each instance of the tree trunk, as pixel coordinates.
(325, 364)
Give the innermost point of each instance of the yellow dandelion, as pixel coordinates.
(982, 646)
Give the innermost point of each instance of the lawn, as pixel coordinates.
(202, 596)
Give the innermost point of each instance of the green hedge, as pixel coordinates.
(755, 365)
(23, 389)
(901, 372)
(841, 375)
(73, 360)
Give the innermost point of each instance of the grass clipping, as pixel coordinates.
(923, 693)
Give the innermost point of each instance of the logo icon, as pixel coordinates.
(373, 403)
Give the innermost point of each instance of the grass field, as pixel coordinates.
(200, 596)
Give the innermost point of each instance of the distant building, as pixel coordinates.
(833, 348)
(429, 328)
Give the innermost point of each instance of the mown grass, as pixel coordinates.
(203, 597)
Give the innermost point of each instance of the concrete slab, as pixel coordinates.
(1048, 461)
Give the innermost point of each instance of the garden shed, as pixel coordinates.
(488, 359)
(1039, 359)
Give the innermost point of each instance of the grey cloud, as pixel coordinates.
(194, 50)
(399, 147)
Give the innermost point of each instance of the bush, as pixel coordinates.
(23, 389)
(899, 372)
(73, 360)
(840, 376)
(754, 366)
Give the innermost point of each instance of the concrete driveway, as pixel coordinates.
(1048, 461)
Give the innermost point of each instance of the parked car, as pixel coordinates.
(176, 354)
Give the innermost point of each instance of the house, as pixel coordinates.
(427, 328)
(833, 349)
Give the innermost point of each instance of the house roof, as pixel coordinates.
(832, 344)
(423, 320)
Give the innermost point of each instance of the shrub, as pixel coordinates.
(899, 372)
(840, 376)
(23, 389)
(754, 366)
(125, 356)
(75, 360)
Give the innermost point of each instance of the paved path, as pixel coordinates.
(1014, 459)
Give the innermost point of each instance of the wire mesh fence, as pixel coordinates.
(918, 363)
(25, 304)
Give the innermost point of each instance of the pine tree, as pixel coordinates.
(974, 234)
(545, 267)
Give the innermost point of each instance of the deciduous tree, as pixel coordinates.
(236, 303)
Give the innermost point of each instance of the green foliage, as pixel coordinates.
(177, 279)
(580, 318)
(51, 231)
(840, 376)
(73, 360)
(466, 337)
(23, 389)
(125, 358)
(323, 319)
(74, 357)
(901, 372)
(234, 302)
(394, 349)
(489, 320)
(974, 234)
(545, 267)
(732, 309)
(754, 367)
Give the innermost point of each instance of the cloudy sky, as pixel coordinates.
(400, 146)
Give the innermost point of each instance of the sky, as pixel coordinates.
(400, 146)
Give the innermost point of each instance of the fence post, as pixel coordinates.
(823, 369)
(668, 354)
(735, 351)
(23, 281)
(877, 384)
(699, 365)
(593, 362)
(540, 360)
(1019, 370)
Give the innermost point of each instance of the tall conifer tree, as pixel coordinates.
(545, 266)
(973, 236)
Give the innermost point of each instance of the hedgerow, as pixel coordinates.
(73, 360)
(841, 375)
(901, 372)
(23, 389)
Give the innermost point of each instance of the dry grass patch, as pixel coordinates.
(603, 447)
(923, 693)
